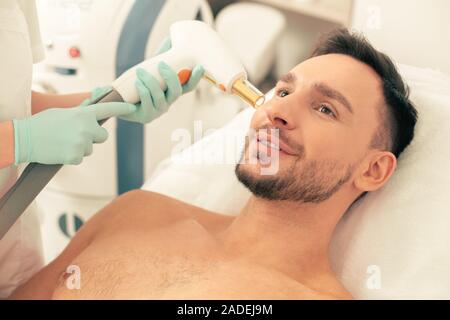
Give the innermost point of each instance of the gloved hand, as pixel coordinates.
(95, 94)
(154, 101)
(64, 136)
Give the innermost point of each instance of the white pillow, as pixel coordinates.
(208, 184)
(393, 243)
(397, 238)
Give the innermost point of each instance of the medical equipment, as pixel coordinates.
(248, 20)
(129, 32)
(193, 42)
(154, 102)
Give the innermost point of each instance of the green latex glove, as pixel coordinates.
(95, 94)
(154, 101)
(64, 136)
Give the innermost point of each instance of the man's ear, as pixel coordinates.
(376, 170)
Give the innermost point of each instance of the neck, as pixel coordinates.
(288, 236)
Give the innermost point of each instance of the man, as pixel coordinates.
(343, 117)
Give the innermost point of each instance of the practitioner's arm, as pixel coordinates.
(43, 101)
(6, 144)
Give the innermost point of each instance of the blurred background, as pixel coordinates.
(91, 42)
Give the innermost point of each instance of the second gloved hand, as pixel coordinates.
(95, 94)
(154, 101)
(64, 136)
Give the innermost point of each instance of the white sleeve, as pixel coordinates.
(30, 12)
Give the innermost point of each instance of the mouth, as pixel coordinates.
(268, 144)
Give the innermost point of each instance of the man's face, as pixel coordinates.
(327, 111)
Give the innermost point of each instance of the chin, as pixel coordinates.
(258, 171)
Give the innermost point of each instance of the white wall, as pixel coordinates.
(414, 32)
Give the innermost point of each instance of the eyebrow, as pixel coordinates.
(333, 94)
(322, 88)
(288, 78)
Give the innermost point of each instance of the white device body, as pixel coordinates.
(264, 25)
(193, 42)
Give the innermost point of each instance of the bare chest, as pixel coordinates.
(178, 263)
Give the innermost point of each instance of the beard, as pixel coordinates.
(306, 181)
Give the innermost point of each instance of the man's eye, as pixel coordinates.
(323, 108)
(282, 93)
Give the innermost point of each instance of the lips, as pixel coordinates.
(273, 143)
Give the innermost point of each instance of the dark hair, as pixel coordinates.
(398, 120)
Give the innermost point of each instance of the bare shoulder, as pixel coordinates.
(332, 292)
(158, 210)
(322, 296)
(328, 287)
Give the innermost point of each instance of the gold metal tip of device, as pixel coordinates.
(248, 92)
(209, 78)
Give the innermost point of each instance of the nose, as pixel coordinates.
(279, 114)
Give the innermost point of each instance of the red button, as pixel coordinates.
(74, 52)
(184, 76)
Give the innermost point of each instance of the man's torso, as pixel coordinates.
(170, 251)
